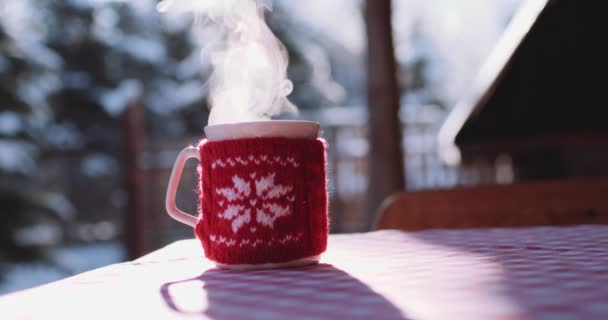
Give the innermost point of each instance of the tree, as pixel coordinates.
(85, 62)
(386, 167)
(68, 70)
(25, 209)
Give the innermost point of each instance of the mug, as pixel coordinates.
(262, 194)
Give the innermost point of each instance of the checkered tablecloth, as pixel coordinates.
(531, 273)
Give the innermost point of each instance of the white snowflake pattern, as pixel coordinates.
(240, 201)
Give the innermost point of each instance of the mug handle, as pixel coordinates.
(176, 173)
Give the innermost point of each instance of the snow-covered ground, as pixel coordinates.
(68, 261)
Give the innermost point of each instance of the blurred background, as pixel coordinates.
(97, 97)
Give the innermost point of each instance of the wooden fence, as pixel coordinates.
(346, 133)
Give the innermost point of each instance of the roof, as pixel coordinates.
(545, 81)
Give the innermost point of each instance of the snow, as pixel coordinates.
(86, 257)
(172, 96)
(117, 100)
(10, 123)
(17, 156)
(64, 136)
(69, 260)
(148, 50)
(59, 204)
(99, 165)
(20, 19)
(38, 234)
(23, 276)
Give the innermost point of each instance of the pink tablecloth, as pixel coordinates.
(533, 273)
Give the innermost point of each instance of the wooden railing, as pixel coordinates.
(346, 133)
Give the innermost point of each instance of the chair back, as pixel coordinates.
(565, 202)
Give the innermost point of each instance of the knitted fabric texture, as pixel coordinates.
(262, 200)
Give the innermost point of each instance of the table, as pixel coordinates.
(528, 273)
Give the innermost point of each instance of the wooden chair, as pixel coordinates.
(565, 202)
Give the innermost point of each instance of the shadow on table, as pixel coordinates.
(315, 292)
(542, 272)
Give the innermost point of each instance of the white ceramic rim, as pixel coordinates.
(294, 129)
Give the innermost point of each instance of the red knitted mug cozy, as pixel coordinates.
(262, 200)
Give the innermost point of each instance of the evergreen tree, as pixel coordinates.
(23, 206)
(67, 74)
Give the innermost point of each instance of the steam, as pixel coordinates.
(249, 78)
